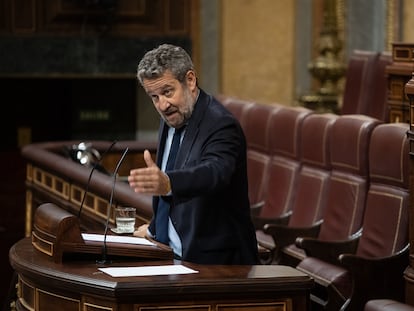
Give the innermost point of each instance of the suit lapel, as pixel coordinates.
(193, 128)
(162, 137)
(191, 132)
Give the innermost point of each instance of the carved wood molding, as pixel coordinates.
(117, 17)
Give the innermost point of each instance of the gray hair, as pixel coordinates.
(165, 57)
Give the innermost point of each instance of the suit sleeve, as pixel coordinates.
(212, 159)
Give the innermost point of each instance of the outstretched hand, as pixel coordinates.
(149, 179)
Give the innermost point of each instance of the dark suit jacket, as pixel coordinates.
(210, 208)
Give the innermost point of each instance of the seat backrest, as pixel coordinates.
(385, 225)
(377, 103)
(256, 127)
(236, 106)
(348, 184)
(254, 124)
(284, 142)
(357, 79)
(313, 178)
(376, 268)
(366, 86)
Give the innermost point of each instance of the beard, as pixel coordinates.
(184, 112)
(188, 106)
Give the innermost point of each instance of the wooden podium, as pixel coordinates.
(56, 232)
(44, 284)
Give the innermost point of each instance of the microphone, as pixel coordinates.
(97, 163)
(104, 249)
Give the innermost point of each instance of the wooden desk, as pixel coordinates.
(79, 285)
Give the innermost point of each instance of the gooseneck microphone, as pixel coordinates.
(104, 248)
(96, 164)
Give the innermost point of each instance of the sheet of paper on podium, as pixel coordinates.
(147, 270)
(116, 239)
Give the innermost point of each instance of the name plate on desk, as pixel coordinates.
(57, 232)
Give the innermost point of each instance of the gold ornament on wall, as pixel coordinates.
(326, 67)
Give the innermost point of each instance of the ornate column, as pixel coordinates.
(409, 272)
(326, 68)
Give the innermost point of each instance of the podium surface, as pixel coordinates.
(78, 284)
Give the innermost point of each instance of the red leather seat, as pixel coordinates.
(310, 190)
(256, 120)
(236, 106)
(281, 183)
(365, 90)
(374, 267)
(377, 104)
(387, 305)
(255, 128)
(357, 80)
(348, 184)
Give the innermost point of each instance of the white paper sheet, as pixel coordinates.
(147, 270)
(116, 239)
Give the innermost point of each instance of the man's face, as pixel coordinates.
(173, 100)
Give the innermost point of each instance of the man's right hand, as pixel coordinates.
(149, 179)
(142, 230)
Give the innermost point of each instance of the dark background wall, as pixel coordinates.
(67, 71)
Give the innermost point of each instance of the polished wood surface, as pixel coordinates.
(409, 272)
(78, 284)
(133, 18)
(399, 72)
(57, 232)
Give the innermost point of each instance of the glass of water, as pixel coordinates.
(125, 219)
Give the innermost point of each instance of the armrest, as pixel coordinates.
(376, 277)
(256, 208)
(328, 251)
(286, 235)
(259, 221)
(384, 304)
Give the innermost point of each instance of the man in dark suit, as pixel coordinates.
(205, 192)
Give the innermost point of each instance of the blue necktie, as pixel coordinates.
(163, 211)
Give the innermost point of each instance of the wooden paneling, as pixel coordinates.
(73, 17)
(23, 17)
(66, 37)
(12, 220)
(399, 72)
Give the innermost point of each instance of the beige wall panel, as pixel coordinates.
(408, 21)
(258, 50)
